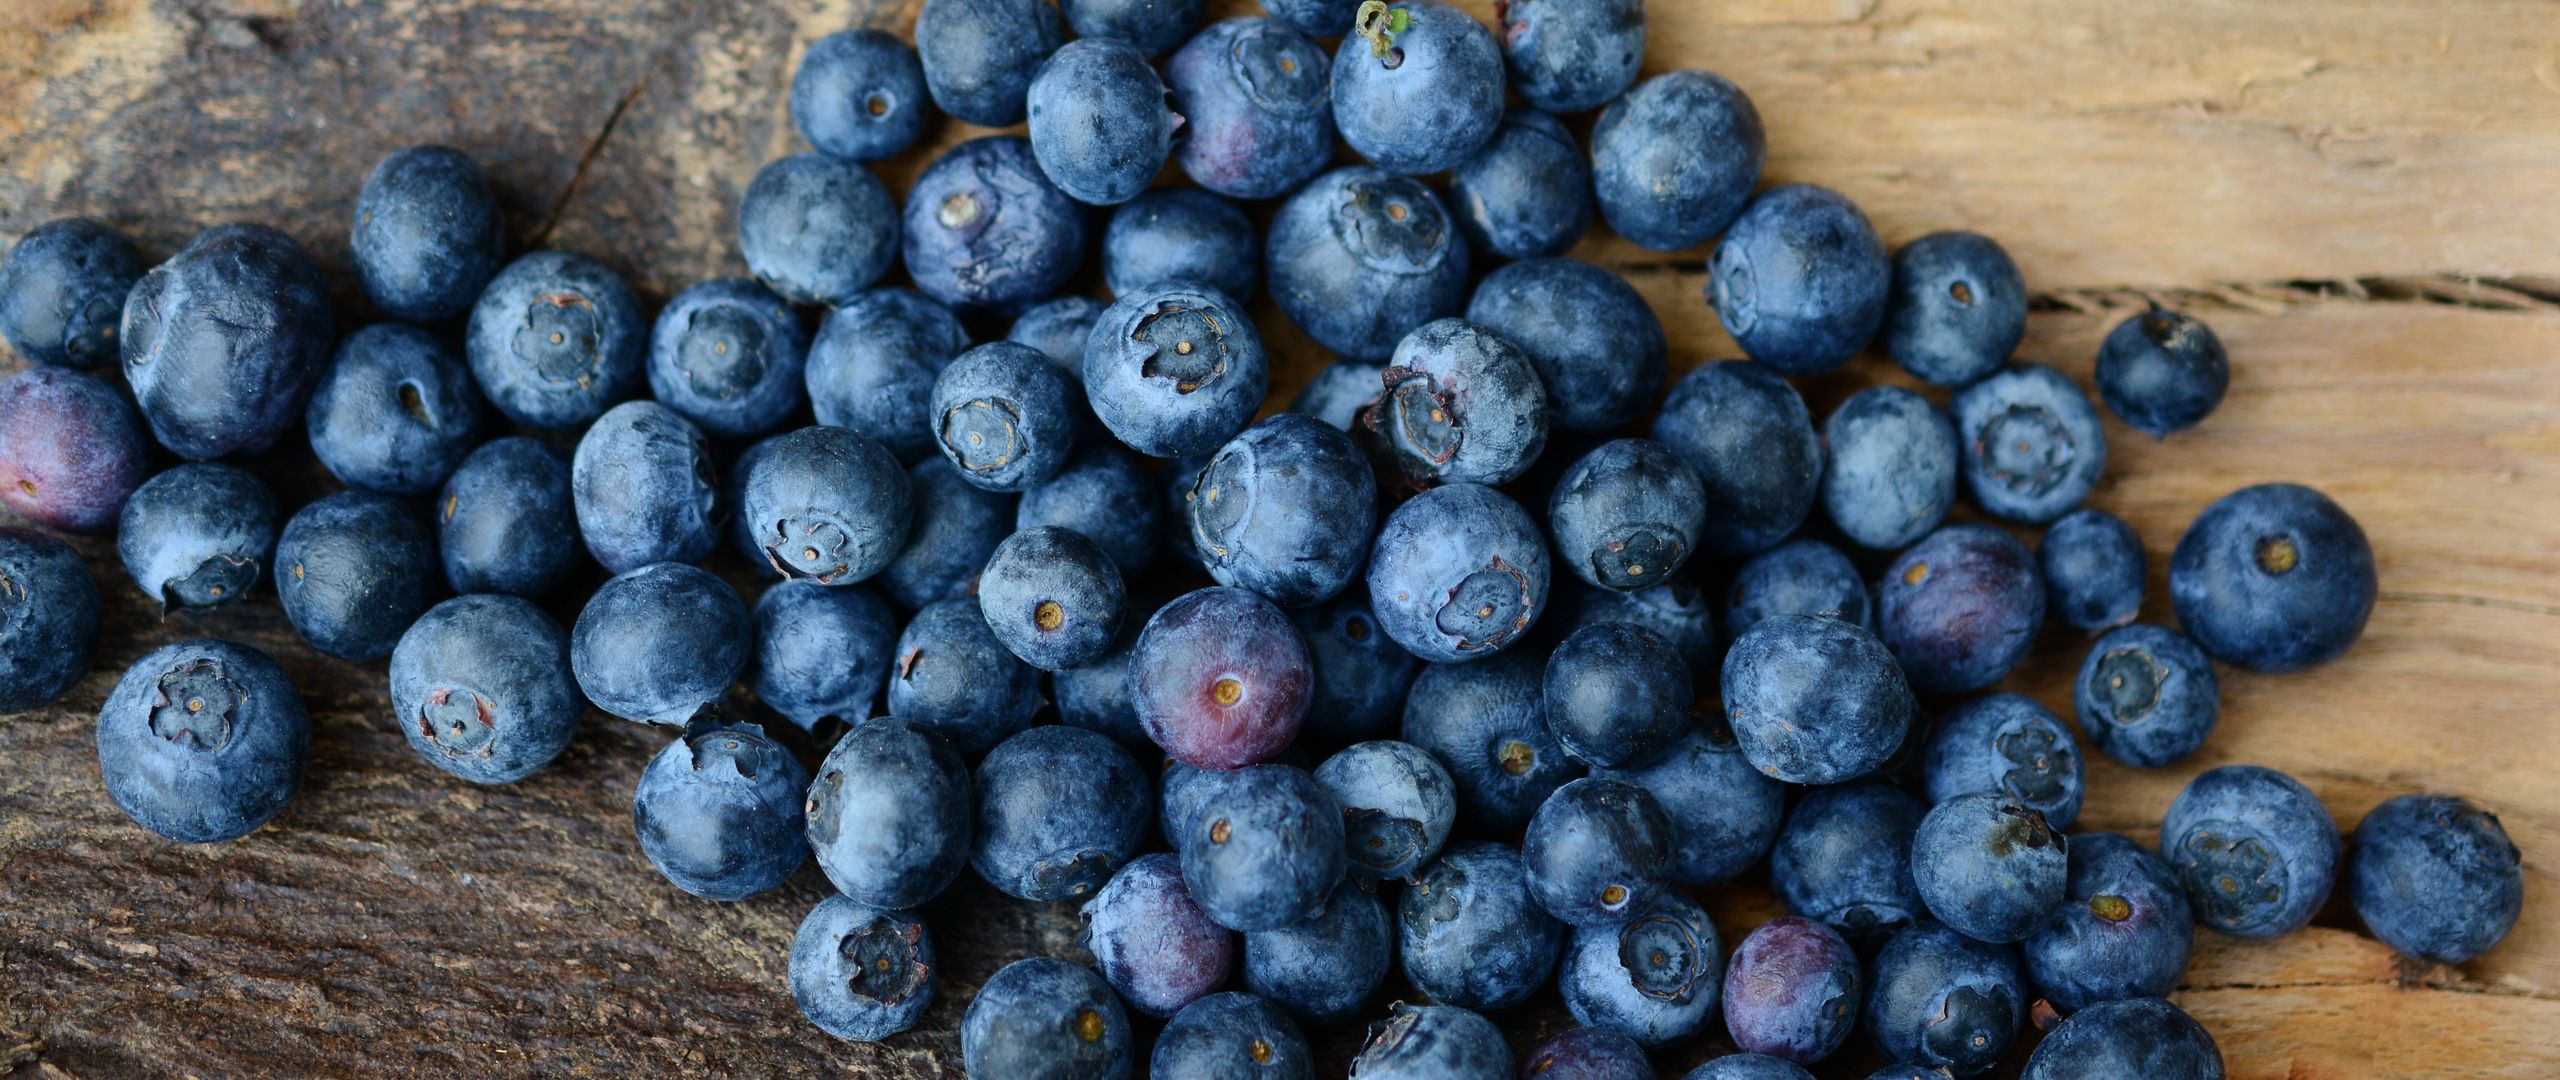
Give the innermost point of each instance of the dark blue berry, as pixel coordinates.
(2094, 569)
(1156, 947)
(1263, 847)
(1254, 98)
(1098, 121)
(428, 234)
(1360, 675)
(1989, 865)
(48, 619)
(2162, 371)
(986, 230)
(1046, 1019)
(556, 339)
(198, 535)
(1180, 235)
(1892, 473)
(1800, 279)
(827, 504)
(2273, 578)
(1053, 597)
(2033, 448)
(1154, 26)
(1844, 857)
(956, 526)
(1676, 609)
(1597, 345)
(1595, 852)
(1755, 499)
(2144, 1036)
(1528, 192)
(507, 521)
(354, 570)
(657, 644)
(1724, 813)
(1586, 1053)
(1569, 57)
(1462, 405)
(62, 292)
(1174, 369)
(645, 489)
(1815, 700)
(859, 94)
(1286, 509)
(979, 55)
(1617, 695)
(872, 366)
(954, 679)
(1323, 968)
(71, 449)
(1103, 495)
(1005, 416)
(395, 412)
(861, 973)
(1627, 515)
(1653, 978)
(2008, 745)
(1486, 722)
(1470, 935)
(1059, 329)
(1098, 696)
(891, 813)
(202, 741)
(480, 685)
(1059, 809)
(1432, 1042)
(222, 343)
(1458, 572)
(1959, 308)
(821, 653)
(817, 229)
(1418, 87)
(1674, 159)
(1799, 577)
(1232, 1036)
(719, 812)
(1358, 258)
(1944, 1000)
(2123, 929)
(2435, 877)
(1960, 608)
(2254, 848)
(1398, 805)
(730, 356)
(1792, 990)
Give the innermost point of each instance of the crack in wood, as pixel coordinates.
(2527, 607)
(2474, 989)
(595, 146)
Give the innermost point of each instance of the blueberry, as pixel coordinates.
(859, 972)
(354, 569)
(1627, 514)
(1156, 947)
(1960, 608)
(1567, 57)
(1487, 723)
(1528, 192)
(2144, 1037)
(979, 55)
(556, 339)
(1470, 935)
(719, 812)
(1462, 406)
(2255, 849)
(62, 292)
(1315, 18)
(1286, 510)
(1799, 577)
(1988, 865)
(1177, 477)
(222, 342)
(1180, 234)
(1231, 1036)
(1674, 159)
(71, 450)
(202, 741)
(1098, 696)
(954, 679)
(1360, 677)
(1724, 813)
(1596, 851)
(1597, 345)
(872, 366)
(821, 653)
(1005, 416)
(507, 521)
(827, 504)
(48, 619)
(2162, 371)
(1046, 1019)
(197, 535)
(1174, 370)
(1221, 678)
(2123, 929)
(1262, 847)
(2094, 569)
(1417, 88)
(1180, 789)
(1652, 978)
(859, 95)
(1323, 968)
(956, 526)
(891, 812)
(1358, 257)
(657, 644)
(1892, 475)
(1253, 95)
(730, 356)
(1432, 1042)
(1458, 572)
(984, 228)
(1154, 26)
(1397, 806)
(2032, 445)
(1844, 857)
(1059, 809)
(1058, 328)
(1815, 700)
(1792, 990)
(1617, 695)
(2008, 745)
(817, 229)
(1098, 121)
(1053, 598)
(428, 234)
(1757, 498)
(1103, 495)
(1748, 1067)
(395, 412)
(1800, 279)
(1676, 609)
(645, 489)
(1944, 1000)
(480, 685)
(1586, 1053)
(2273, 578)
(2435, 877)
(1958, 310)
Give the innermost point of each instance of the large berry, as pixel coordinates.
(891, 814)
(48, 619)
(2274, 577)
(202, 741)
(222, 342)
(480, 686)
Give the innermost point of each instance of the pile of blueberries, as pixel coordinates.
(1380, 746)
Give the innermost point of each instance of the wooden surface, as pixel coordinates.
(2362, 197)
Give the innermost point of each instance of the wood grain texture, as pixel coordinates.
(2359, 197)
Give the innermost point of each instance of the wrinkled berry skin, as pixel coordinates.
(62, 292)
(1815, 700)
(956, 526)
(1046, 1019)
(985, 230)
(1756, 499)
(1944, 1000)
(2033, 448)
(1844, 857)
(1598, 347)
(1958, 310)
(1586, 1053)
(1005, 416)
(1628, 514)
(1232, 1036)
(1458, 573)
(48, 619)
(2094, 570)
(861, 973)
(1892, 474)
(556, 339)
(480, 686)
(1676, 609)
(1397, 806)
(1098, 121)
(719, 812)
(821, 653)
(71, 450)
(1286, 510)
(1469, 934)
(197, 535)
(2255, 849)
(1360, 676)
(1263, 848)
(817, 229)
(1180, 234)
(1674, 159)
(1323, 968)
(1654, 978)
(1792, 991)
(1103, 494)
(1748, 1067)
(1724, 813)
(395, 412)
(222, 342)
(1053, 598)
(2010, 745)
(2435, 877)
(827, 504)
(1358, 258)
(1253, 95)
(1800, 279)
(979, 55)
(2147, 695)
(1462, 406)
(954, 679)
(507, 520)
(2145, 1037)
(2162, 372)
(1799, 577)
(1156, 947)
(202, 774)
(657, 644)
(1566, 56)
(2123, 929)
(2273, 578)
(1617, 695)
(1175, 369)
(1528, 192)
(1059, 329)
(1487, 724)
(1059, 809)
(1989, 866)
(730, 356)
(891, 814)
(644, 488)
(1421, 100)
(859, 95)
(1432, 1042)
(1595, 850)
(1960, 608)
(354, 570)
(1221, 678)
(872, 366)
(428, 234)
